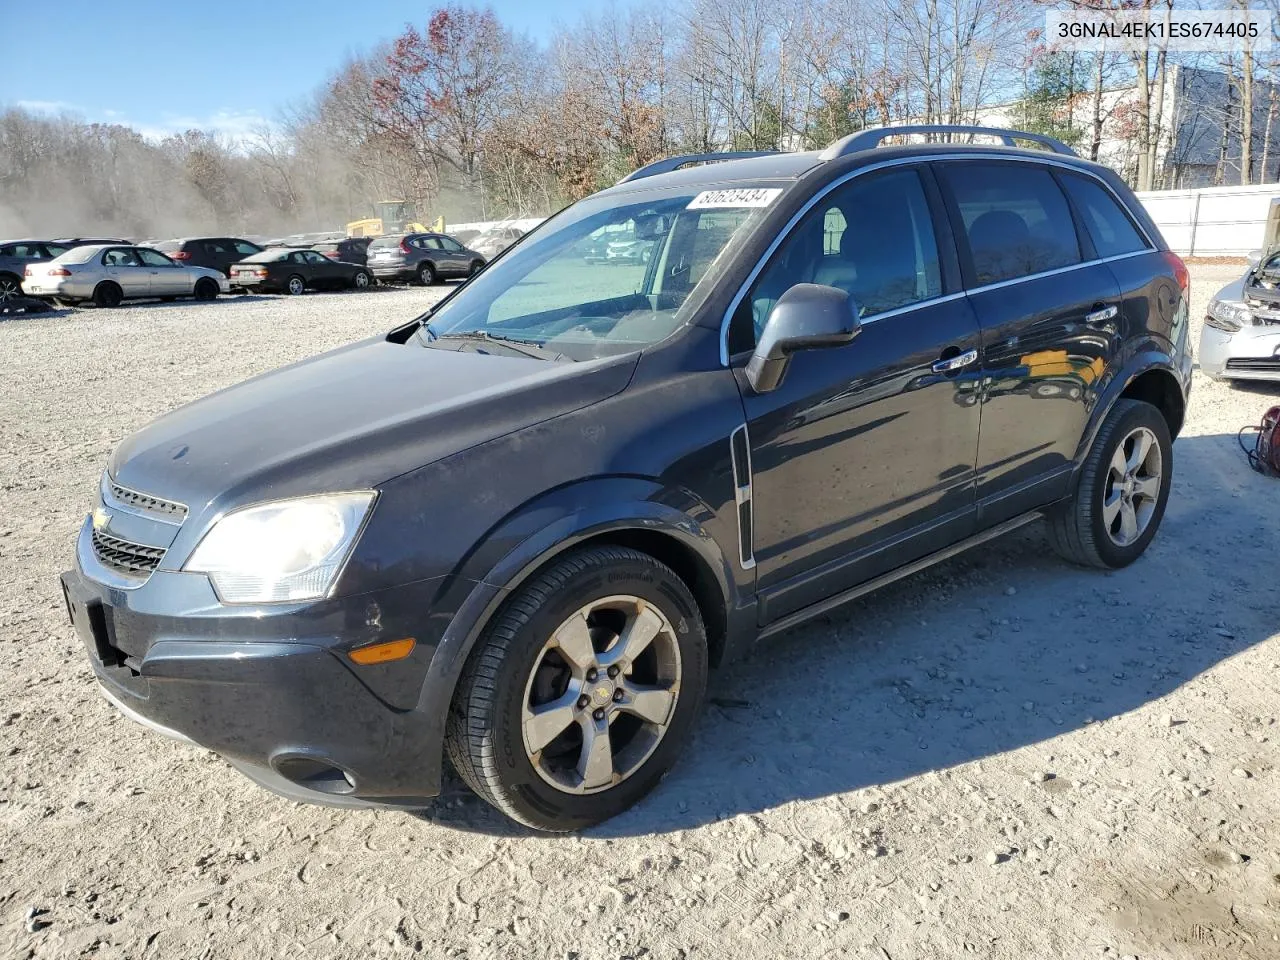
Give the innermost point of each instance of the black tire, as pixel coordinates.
(1078, 530)
(10, 286)
(108, 295)
(484, 736)
(295, 286)
(476, 267)
(426, 274)
(362, 280)
(206, 289)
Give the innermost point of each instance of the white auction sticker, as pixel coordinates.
(746, 197)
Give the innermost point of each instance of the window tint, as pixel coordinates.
(56, 249)
(872, 237)
(1112, 231)
(450, 244)
(120, 258)
(244, 248)
(1016, 219)
(153, 259)
(217, 248)
(428, 243)
(312, 257)
(35, 250)
(297, 257)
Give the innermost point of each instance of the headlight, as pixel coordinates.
(287, 550)
(1229, 315)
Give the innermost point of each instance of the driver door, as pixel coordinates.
(167, 278)
(863, 459)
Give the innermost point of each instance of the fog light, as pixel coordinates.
(384, 652)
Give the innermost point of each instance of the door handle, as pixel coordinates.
(1101, 314)
(952, 364)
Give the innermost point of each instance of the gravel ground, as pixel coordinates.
(1003, 756)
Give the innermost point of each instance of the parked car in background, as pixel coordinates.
(424, 257)
(347, 249)
(217, 253)
(14, 257)
(496, 239)
(108, 274)
(466, 237)
(285, 270)
(519, 529)
(1240, 339)
(70, 242)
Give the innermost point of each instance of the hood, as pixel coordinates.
(350, 419)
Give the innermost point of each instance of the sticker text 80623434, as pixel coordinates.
(738, 197)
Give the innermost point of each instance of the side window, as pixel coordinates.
(120, 258)
(312, 257)
(216, 248)
(8, 251)
(153, 259)
(1111, 229)
(872, 237)
(245, 249)
(55, 250)
(429, 243)
(1015, 218)
(450, 244)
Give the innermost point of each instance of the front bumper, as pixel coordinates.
(274, 694)
(1250, 353)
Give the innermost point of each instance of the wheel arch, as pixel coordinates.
(666, 532)
(1150, 377)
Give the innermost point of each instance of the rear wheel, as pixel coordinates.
(206, 289)
(10, 287)
(295, 286)
(1123, 490)
(582, 692)
(107, 294)
(361, 281)
(426, 274)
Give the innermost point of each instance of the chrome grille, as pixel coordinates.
(166, 509)
(124, 556)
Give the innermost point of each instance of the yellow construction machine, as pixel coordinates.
(392, 216)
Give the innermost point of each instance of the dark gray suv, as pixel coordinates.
(422, 257)
(519, 528)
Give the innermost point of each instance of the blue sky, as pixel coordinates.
(167, 66)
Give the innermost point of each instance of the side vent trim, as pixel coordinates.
(740, 453)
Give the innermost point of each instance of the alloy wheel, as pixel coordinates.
(9, 288)
(601, 694)
(1132, 488)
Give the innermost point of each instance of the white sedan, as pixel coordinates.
(109, 274)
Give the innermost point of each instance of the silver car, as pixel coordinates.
(1241, 335)
(109, 274)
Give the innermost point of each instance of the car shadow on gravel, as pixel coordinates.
(999, 648)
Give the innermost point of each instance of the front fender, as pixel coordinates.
(557, 521)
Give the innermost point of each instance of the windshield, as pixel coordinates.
(384, 242)
(608, 275)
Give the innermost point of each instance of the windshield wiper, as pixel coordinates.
(528, 348)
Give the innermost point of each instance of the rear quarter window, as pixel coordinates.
(1110, 227)
(1016, 219)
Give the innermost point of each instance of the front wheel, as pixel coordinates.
(206, 289)
(1123, 490)
(582, 692)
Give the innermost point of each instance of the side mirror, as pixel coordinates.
(807, 317)
(1255, 258)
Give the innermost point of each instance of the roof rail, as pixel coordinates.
(868, 139)
(675, 163)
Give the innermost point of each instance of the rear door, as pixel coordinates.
(1048, 308)
(863, 458)
(325, 271)
(122, 265)
(456, 257)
